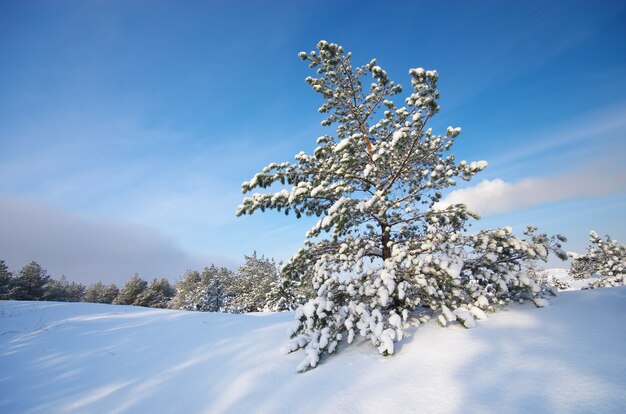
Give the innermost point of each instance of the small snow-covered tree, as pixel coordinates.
(214, 295)
(374, 184)
(605, 257)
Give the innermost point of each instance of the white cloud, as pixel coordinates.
(498, 196)
(88, 249)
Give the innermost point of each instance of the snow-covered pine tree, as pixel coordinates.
(194, 300)
(540, 276)
(186, 297)
(62, 290)
(131, 292)
(100, 293)
(605, 257)
(6, 281)
(251, 284)
(535, 272)
(214, 295)
(374, 184)
(202, 291)
(30, 283)
(157, 295)
(283, 295)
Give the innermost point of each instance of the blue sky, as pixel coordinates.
(127, 127)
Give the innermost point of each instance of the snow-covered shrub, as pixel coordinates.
(604, 257)
(390, 253)
(560, 284)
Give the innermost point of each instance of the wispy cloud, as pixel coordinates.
(498, 196)
(599, 131)
(88, 248)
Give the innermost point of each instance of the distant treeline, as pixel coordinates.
(255, 286)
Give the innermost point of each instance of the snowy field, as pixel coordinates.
(88, 358)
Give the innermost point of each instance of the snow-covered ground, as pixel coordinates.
(83, 358)
(564, 276)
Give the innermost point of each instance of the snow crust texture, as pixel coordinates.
(90, 358)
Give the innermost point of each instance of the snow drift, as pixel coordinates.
(88, 358)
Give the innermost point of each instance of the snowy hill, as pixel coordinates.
(58, 357)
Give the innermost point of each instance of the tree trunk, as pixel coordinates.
(385, 239)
